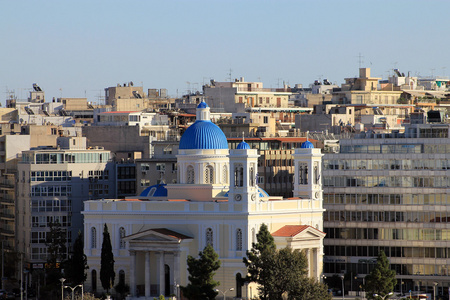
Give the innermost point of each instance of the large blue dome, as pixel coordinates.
(203, 135)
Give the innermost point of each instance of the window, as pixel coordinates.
(93, 238)
(239, 240)
(121, 236)
(209, 237)
(239, 283)
(160, 167)
(252, 177)
(209, 174)
(94, 280)
(190, 174)
(225, 175)
(238, 175)
(302, 173)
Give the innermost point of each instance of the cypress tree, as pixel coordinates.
(107, 273)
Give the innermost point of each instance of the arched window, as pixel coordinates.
(209, 174)
(238, 175)
(93, 238)
(302, 173)
(121, 277)
(239, 240)
(190, 174)
(251, 179)
(94, 280)
(239, 283)
(316, 173)
(225, 174)
(121, 236)
(209, 237)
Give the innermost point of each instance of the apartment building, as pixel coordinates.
(390, 192)
(364, 90)
(52, 184)
(238, 95)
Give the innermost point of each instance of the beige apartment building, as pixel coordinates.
(364, 90)
(128, 97)
(238, 95)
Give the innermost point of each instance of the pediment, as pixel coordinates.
(157, 235)
(298, 232)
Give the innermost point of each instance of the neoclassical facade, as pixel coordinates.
(217, 202)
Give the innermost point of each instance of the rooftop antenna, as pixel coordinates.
(360, 60)
(432, 73)
(229, 74)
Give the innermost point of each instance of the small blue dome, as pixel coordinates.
(262, 193)
(307, 145)
(243, 145)
(202, 105)
(157, 190)
(203, 135)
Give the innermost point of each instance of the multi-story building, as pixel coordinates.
(390, 192)
(52, 184)
(364, 90)
(238, 95)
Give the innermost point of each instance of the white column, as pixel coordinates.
(176, 268)
(308, 257)
(317, 262)
(147, 274)
(132, 273)
(161, 273)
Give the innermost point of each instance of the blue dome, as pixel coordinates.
(307, 145)
(243, 145)
(262, 193)
(202, 105)
(203, 135)
(157, 190)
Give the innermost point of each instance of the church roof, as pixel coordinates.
(203, 134)
(290, 230)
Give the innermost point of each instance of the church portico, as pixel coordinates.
(155, 262)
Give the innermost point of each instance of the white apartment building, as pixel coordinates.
(52, 184)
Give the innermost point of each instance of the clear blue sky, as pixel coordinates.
(77, 48)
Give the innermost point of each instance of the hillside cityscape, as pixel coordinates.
(343, 169)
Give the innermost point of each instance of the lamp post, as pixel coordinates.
(434, 290)
(62, 288)
(223, 293)
(343, 291)
(383, 297)
(72, 288)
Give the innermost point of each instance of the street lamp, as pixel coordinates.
(384, 297)
(343, 291)
(223, 293)
(72, 288)
(434, 290)
(62, 287)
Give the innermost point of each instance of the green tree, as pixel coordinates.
(75, 267)
(107, 273)
(309, 289)
(281, 272)
(381, 280)
(56, 244)
(260, 261)
(201, 275)
(56, 250)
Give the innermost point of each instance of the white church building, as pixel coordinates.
(216, 201)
